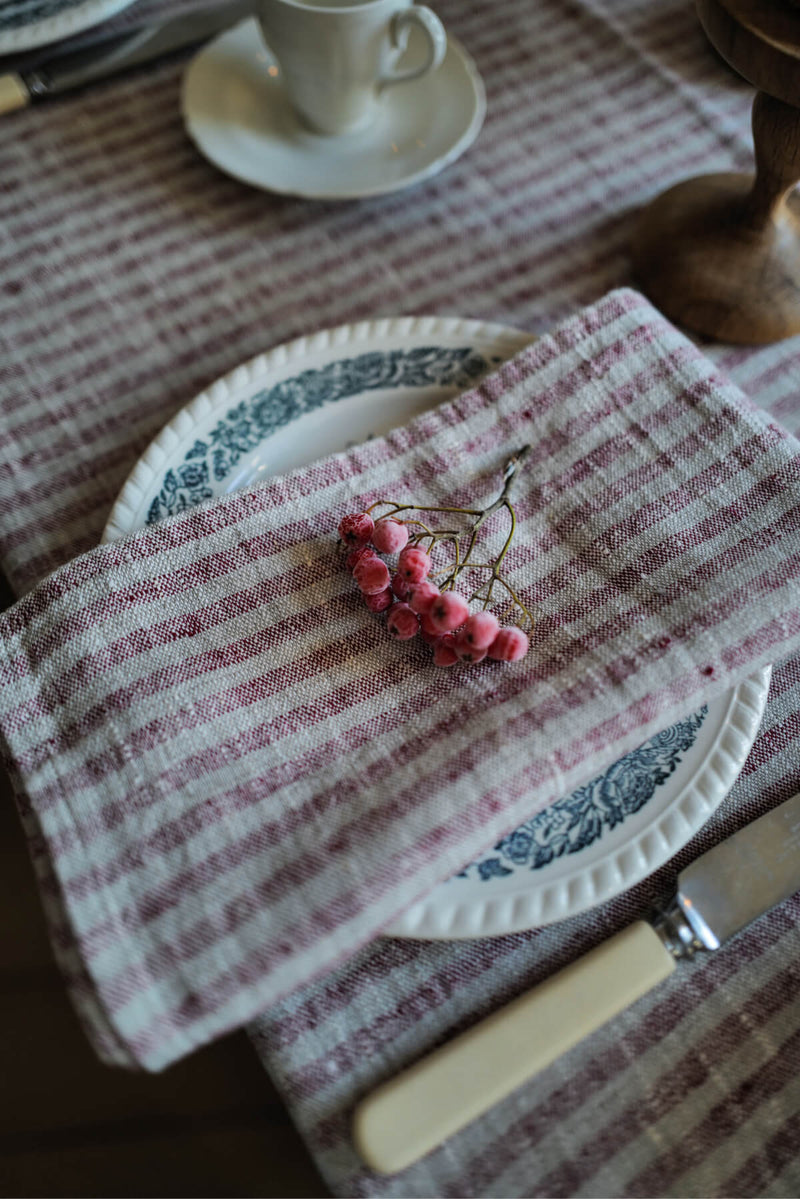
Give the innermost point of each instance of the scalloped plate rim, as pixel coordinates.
(182, 428)
(66, 24)
(433, 918)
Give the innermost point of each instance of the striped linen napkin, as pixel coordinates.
(231, 776)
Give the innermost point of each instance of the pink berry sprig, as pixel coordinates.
(413, 603)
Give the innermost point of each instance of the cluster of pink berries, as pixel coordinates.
(413, 604)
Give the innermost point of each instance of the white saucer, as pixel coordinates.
(239, 118)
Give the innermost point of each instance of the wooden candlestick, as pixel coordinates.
(720, 253)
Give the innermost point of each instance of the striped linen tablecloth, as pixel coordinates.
(132, 274)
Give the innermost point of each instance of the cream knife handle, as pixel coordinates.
(414, 1112)
(13, 94)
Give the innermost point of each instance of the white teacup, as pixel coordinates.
(335, 57)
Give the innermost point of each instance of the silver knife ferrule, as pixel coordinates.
(680, 930)
(59, 70)
(37, 83)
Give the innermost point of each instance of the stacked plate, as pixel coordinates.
(25, 24)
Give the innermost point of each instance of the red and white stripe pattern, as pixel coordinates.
(132, 274)
(238, 778)
(693, 1091)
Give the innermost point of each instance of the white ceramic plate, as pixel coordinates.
(26, 24)
(320, 394)
(238, 116)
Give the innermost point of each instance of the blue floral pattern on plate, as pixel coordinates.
(249, 423)
(574, 823)
(571, 824)
(24, 12)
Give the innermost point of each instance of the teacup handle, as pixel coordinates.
(436, 37)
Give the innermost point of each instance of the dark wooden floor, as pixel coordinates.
(69, 1126)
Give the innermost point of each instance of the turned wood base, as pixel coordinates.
(712, 264)
(720, 254)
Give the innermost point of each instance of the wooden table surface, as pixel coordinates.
(211, 1125)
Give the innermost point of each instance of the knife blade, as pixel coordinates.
(717, 896)
(64, 68)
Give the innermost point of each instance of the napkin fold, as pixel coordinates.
(230, 775)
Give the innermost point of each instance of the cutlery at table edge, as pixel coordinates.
(64, 68)
(718, 895)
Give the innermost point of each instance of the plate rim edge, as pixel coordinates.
(62, 25)
(693, 806)
(223, 390)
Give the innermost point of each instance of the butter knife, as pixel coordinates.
(62, 68)
(718, 895)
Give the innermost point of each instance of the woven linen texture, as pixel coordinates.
(239, 778)
(132, 274)
(692, 1091)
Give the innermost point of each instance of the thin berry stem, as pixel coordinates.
(464, 561)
